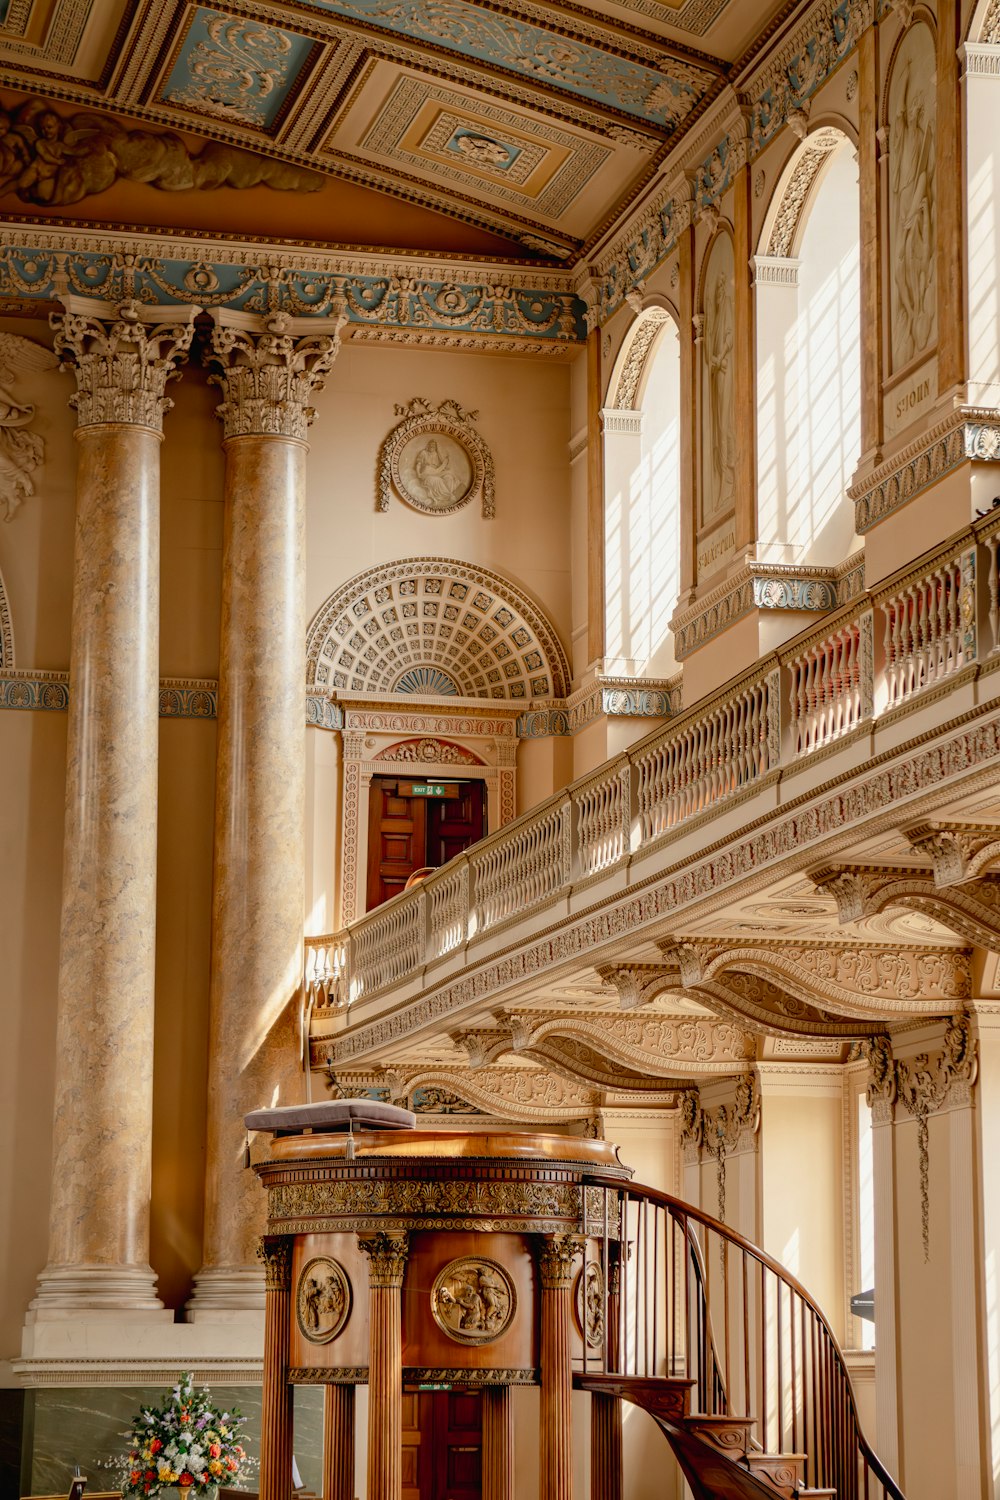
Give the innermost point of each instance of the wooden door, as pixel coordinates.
(442, 1445)
(453, 823)
(397, 838)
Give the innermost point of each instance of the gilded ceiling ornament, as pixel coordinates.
(435, 460)
(21, 451)
(473, 1300)
(53, 160)
(322, 1299)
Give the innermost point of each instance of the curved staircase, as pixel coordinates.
(725, 1349)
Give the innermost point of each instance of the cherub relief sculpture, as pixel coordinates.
(54, 160)
(21, 451)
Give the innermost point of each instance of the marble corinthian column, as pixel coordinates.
(98, 1259)
(268, 369)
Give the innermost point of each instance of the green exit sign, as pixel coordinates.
(429, 789)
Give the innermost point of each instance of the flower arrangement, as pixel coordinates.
(184, 1444)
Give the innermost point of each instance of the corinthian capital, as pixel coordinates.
(387, 1253)
(122, 358)
(269, 367)
(556, 1254)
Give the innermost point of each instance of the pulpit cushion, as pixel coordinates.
(330, 1115)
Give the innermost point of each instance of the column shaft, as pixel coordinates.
(871, 247)
(277, 1396)
(498, 1443)
(555, 1468)
(338, 1442)
(267, 377)
(605, 1447)
(102, 1146)
(387, 1261)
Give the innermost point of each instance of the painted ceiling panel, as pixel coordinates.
(235, 69)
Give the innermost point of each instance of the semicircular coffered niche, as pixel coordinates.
(434, 627)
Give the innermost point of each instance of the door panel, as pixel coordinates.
(442, 1445)
(455, 823)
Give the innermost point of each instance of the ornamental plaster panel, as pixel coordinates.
(477, 627)
(970, 434)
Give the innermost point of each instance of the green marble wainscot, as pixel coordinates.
(87, 1426)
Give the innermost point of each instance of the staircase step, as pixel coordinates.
(663, 1396)
(781, 1472)
(730, 1435)
(816, 1495)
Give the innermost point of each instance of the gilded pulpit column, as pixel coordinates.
(386, 1265)
(277, 1396)
(556, 1255)
(498, 1443)
(98, 1260)
(338, 1442)
(606, 1473)
(268, 369)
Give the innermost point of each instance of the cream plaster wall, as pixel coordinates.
(524, 418)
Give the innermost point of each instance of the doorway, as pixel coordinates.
(418, 824)
(442, 1445)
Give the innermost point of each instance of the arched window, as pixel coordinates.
(642, 499)
(809, 356)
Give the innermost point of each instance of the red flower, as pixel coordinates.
(149, 1474)
(186, 1478)
(155, 1446)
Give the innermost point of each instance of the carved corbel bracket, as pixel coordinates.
(971, 910)
(637, 984)
(958, 851)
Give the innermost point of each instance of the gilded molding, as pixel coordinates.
(122, 360)
(474, 1379)
(450, 1203)
(268, 370)
(326, 1375)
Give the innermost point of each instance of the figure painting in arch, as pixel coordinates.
(911, 184)
(719, 465)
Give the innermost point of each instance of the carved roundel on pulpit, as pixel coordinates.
(588, 1304)
(322, 1300)
(473, 1300)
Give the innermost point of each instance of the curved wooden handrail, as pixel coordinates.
(687, 1213)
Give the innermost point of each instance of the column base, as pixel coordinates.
(227, 1294)
(96, 1291)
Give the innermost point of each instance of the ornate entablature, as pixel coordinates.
(381, 297)
(479, 629)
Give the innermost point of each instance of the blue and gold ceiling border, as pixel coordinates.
(468, 305)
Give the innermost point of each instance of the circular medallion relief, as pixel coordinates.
(588, 1300)
(433, 471)
(473, 1300)
(322, 1300)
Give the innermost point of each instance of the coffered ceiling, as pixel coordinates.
(459, 127)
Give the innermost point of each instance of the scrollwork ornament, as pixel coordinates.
(923, 1084)
(122, 364)
(387, 1254)
(556, 1254)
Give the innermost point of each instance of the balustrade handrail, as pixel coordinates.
(687, 1213)
(931, 619)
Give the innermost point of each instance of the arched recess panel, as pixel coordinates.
(807, 276)
(641, 435)
(434, 626)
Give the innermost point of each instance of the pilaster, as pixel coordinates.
(556, 1256)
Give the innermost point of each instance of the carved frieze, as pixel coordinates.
(451, 1203)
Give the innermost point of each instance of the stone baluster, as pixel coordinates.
(98, 1261)
(276, 1410)
(268, 369)
(338, 1442)
(498, 1443)
(556, 1255)
(386, 1264)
